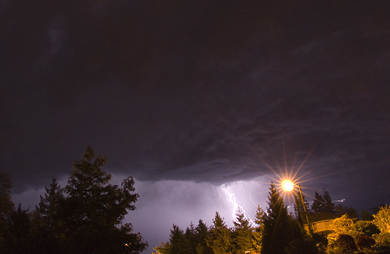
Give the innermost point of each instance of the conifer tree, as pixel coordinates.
(277, 225)
(201, 235)
(328, 204)
(219, 238)
(323, 203)
(163, 248)
(258, 232)
(366, 215)
(350, 211)
(242, 234)
(318, 203)
(48, 228)
(190, 238)
(177, 240)
(93, 210)
(49, 205)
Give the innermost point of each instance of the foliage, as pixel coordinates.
(364, 228)
(328, 204)
(318, 203)
(382, 241)
(85, 217)
(219, 238)
(49, 205)
(323, 203)
(365, 243)
(346, 244)
(16, 238)
(257, 234)
(321, 242)
(163, 248)
(366, 215)
(201, 236)
(302, 245)
(350, 211)
(93, 210)
(242, 234)
(382, 219)
(376, 209)
(176, 240)
(47, 227)
(342, 225)
(339, 226)
(6, 204)
(278, 230)
(192, 241)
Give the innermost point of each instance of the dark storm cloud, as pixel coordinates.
(198, 91)
(188, 95)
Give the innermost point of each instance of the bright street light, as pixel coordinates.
(287, 185)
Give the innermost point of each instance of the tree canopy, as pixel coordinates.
(219, 238)
(87, 216)
(382, 219)
(243, 238)
(6, 204)
(277, 231)
(94, 210)
(323, 203)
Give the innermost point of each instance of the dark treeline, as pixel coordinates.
(86, 216)
(275, 231)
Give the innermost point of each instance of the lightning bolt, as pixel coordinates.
(250, 194)
(231, 198)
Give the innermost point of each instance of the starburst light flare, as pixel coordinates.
(287, 185)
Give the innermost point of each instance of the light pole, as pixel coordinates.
(289, 186)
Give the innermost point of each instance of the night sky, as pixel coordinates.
(190, 97)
